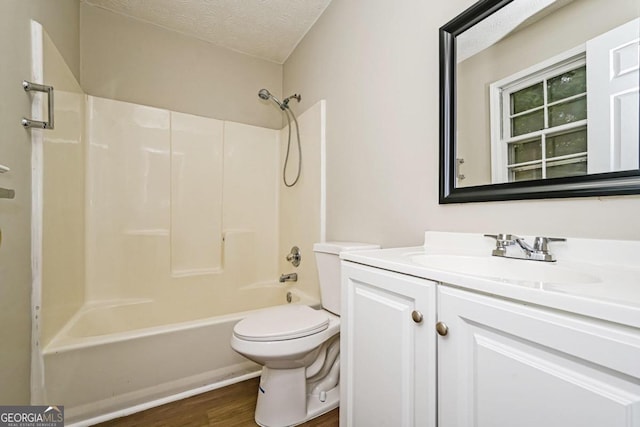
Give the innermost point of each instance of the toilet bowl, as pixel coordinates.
(284, 337)
(298, 347)
(288, 357)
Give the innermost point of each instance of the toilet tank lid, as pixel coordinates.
(337, 247)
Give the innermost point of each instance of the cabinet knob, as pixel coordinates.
(442, 329)
(416, 316)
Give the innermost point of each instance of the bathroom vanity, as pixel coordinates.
(448, 335)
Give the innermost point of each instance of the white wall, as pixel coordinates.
(133, 61)
(376, 64)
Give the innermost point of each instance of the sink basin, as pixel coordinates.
(520, 272)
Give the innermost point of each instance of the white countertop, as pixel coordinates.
(612, 295)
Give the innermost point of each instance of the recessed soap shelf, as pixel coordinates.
(5, 193)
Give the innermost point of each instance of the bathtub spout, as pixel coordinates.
(292, 277)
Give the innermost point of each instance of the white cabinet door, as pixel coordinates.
(504, 364)
(387, 358)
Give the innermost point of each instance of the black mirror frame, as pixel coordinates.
(602, 184)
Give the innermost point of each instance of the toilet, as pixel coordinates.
(299, 348)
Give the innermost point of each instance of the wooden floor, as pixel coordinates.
(231, 406)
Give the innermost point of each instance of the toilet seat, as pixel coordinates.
(282, 323)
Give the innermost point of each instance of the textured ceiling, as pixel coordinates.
(268, 29)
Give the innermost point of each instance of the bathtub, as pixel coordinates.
(118, 357)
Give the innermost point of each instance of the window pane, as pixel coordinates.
(527, 123)
(525, 151)
(567, 143)
(568, 169)
(526, 99)
(568, 112)
(568, 84)
(526, 175)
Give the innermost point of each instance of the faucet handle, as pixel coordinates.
(503, 239)
(541, 244)
(294, 257)
(499, 236)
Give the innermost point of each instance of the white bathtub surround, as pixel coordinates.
(304, 228)
(58, 203)
(180, 207)
(197, 156)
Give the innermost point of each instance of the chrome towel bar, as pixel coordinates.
(28, 123)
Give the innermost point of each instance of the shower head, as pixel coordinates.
(264, 94)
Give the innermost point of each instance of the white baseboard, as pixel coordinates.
(162, 401)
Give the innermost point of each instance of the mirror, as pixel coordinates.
(540, 99)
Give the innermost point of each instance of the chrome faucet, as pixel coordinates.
(292, 277)
(539, 251)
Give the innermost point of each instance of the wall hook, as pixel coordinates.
(459, 162)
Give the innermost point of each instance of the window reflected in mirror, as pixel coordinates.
(545, 128)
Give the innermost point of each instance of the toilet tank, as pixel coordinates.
(328, 262)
